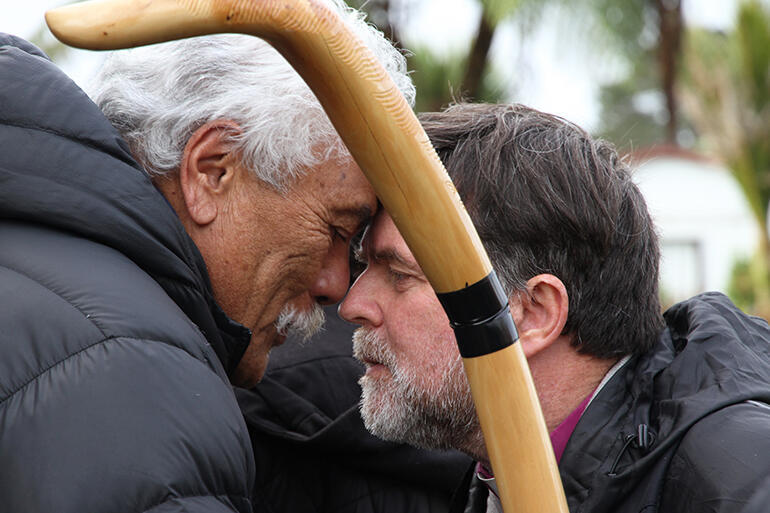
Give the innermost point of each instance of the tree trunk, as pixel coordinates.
(380, 14)
(669, 50)
(390, 30)
(470, 89)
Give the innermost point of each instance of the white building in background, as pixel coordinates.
(704, 223)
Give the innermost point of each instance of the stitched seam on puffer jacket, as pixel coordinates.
(80, 140)
(96, 325)
(79, 351)
(182, 497)
(49, 289)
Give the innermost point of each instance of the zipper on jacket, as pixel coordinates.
(642, 439)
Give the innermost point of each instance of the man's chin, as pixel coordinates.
(384, 419)
(279, 340)
(245, 379)
(253, 364)
(378, 400)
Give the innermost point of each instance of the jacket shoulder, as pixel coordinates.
(720, 461)
(66, 293)
(110, 398)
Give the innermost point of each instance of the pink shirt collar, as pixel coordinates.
(563, 431)
(559, 438)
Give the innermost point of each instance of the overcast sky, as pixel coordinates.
(552, 79)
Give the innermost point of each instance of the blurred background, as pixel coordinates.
(681, 87)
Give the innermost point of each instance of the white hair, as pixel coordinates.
(302, 324)
(157, 96)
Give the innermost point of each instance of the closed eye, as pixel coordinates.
(338, 233)
(397, 277)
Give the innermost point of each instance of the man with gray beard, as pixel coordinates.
(315, 453)
(411, 407)
(646, 413)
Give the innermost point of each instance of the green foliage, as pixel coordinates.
(753, 41)
(741, 288)
(745, 285)
(633, 110)
(627, 26)
(438, 79)
(624, 120)
(726, 91)
(498, 10)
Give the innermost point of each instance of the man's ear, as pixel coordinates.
(207, 170)
(540, 313)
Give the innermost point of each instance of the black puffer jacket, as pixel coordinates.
(315, 454)
(703, 398)
(113, 392)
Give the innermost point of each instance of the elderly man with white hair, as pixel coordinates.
(155, 247)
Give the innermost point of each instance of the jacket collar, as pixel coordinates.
(711, 355)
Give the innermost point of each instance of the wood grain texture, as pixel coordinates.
(390, 146)
(515, 433)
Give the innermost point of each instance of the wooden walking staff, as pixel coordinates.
(390, 146)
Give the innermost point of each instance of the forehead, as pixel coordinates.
(383, 241)
(340, 187)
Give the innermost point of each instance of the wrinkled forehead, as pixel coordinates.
(340, 190)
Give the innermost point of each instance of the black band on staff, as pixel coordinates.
(480, 317)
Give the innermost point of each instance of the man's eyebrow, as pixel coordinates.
(390, 255)
(362, 213)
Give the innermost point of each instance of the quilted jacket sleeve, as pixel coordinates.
(110, 398)
(123, 425)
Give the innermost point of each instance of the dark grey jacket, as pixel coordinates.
(702, 397)
(114, 394)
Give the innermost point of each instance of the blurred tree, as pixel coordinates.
(438, 81)
(741, 287)
(492, 13)
(384, 14)
(436, 78)
(726, 93)
(670, 27)
(642, 109)
(43, 39)
(441, 80)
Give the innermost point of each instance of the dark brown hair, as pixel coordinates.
(547, 198)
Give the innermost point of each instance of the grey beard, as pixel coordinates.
(396, 408)
(302, 324)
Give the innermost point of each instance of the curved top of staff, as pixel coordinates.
(384, 136)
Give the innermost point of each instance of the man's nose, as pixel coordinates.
(360, 305)
(333, 279)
